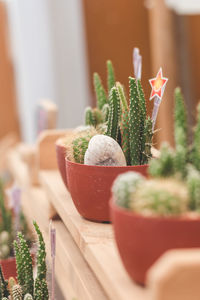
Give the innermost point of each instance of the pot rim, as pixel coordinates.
(9, 259)
(103, 167)
(131, 214)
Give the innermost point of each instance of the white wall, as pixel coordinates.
(48, 51)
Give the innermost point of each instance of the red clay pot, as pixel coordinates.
(60, 155)
(9, 267)
(90, 187)
(142, 240)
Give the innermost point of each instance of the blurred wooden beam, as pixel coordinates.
(163, 54)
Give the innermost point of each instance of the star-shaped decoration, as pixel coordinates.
(158, 85)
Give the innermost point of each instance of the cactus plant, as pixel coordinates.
(114, 114)
(110, 75)
(28, 297)
(17, 292)
(100, 91)
(195, 154)
(193, 183)
(3, 285)
(124, 187)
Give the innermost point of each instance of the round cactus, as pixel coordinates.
(125, 186)
(4, 251)
(17, 292)
(4, 237)
(163, 197)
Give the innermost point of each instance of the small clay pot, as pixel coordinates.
(9, 267)
(142, 240)
(60, 155)
(90, 187)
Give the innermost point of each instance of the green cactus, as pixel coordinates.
(110, 75)
(3, 285)
(195, 155)
(19, 263)
(148, 135)
(105, 112)
(193, 183)
(17, 292)
(98, 116)
(6, 215)
(124, 123)
(180, 119)
(28, 297)
(89, 117)
(134, 123)
(80, 145)
(163, 197)
(41, 289)
(164, 165)
(100, 91)
(114, 114)
(26, 265)
(180, 158)
(124, 186)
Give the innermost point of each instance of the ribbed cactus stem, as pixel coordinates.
(20, 265)
(180, 118)
(114, 114)
(89, 117)
(98, 116)
(143, 125)
(195, 156)
(16, 292)
(110, 75)
(3, 285)
(41, 290)
(28, 297)
(27, 265)
(105, 112)
(80, 145)
(148, 135)
(134, 123)
(124, 123)
(193, 183)
(100, 91)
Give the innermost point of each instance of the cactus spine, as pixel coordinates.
(110, 75)
(40, 283)
(134, 123)
(100, 91)
(114, 114)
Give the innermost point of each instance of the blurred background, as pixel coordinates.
(49, 50)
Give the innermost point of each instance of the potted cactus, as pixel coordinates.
(162, 213)
(26, 287)
(118, 139)
(7, 235)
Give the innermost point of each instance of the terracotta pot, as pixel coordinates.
(9, 267)
(142, 240)
(90, 187)
(60, 155)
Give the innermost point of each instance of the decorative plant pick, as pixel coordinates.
(137, 63)
(53, 255)
(158, 85)
(14, 194)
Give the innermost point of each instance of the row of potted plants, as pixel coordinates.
(10, 222)
(155, 205)
(26, 287)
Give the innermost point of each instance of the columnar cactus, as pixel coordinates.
(89, 117)
(193, 183)
(114, 114)
(195, 155)
(110, 75)
(100, 91)
(40, 282)
(17, 292)
(105, 112)
(124, 123)
(24, 265)
(134, 123)
(3, 285)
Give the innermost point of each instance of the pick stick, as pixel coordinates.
(137, 63)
